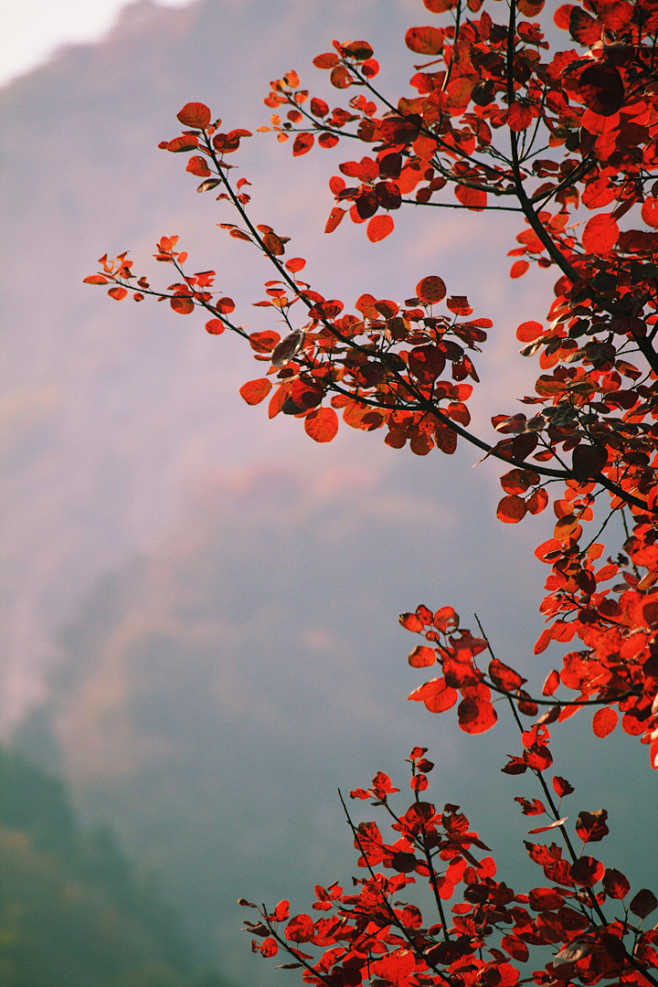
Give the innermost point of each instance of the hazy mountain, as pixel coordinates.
(110, 411)
(73, 911)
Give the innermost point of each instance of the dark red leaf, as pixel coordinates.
(643, 903)
(587, 871)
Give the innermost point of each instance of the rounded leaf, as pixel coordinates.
(300, 928)
(379, 227)
(194, 115)
(321, 424)
(600, 234)
(476, 715)
(615, 884)
(424, 40)
(527, 332)
(587, 871)
(182, 304)
(511, 509)
(431, 289)
(422, 657)
(604, 721)
(255, 391)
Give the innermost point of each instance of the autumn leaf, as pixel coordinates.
(379, 227)
(255, 391)
(321, 424)
(600, 234)
(194, 115)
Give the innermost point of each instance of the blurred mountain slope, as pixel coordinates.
(72, 910)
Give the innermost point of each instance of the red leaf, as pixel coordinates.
(299, 928)
(411, 622)
(194, 115)
(215, 327)
(518, 268)
(545, 899)
(649, 211)
(476, 715)
(588, 461)
(431, 289)
(527, 332)
(302, 144)
(504, 676)
(197, 166)
(519, 117)
(424, 40)
(592, 826)
(335, 216)
(551, 683)
(382, 785)
(182, 304)
(600, 234)
(95, 279)
(264, 342)
(615, 884)
(643, 903)
(473, 198)
(269, 947)
(326, 61)
(321, 424)
(422, 657)
(604, 721)
(587, 871)
(516, 948)
(379, 227)
(118, 292)
(255, 391)
(511, 509)
(225, 305)
(436, 694)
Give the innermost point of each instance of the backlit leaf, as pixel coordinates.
(194, 115)
(424, 40)
(473, 198)
(422, 657)
(299, 928)
(302, 144)
(379, 227)
(600, 234)
(604, 721)
(321, 424)
(255, 391)
(587, 871)
(476, 715)
(511, 509)
(615, 884)
(182, 304)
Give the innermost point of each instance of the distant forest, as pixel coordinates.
(74, 911)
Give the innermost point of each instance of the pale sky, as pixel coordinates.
(30, 31)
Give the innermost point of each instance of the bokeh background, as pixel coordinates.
(200, 634)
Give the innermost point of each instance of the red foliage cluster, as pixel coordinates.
(569, 139)
(371, 933)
